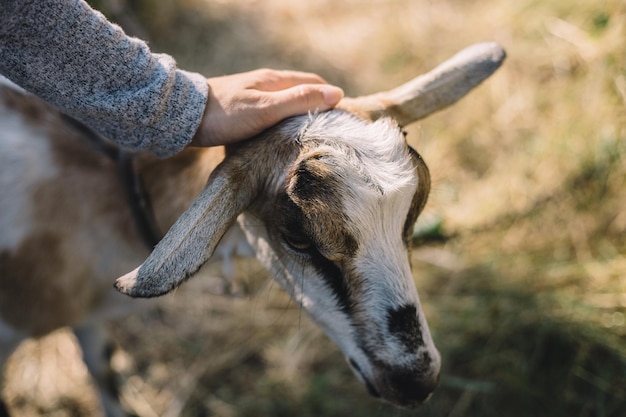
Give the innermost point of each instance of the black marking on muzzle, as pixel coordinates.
(403, 323)
(408, 388)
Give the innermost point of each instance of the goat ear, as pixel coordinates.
(433, 91)
(192, 239)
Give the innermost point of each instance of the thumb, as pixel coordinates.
(304, 98)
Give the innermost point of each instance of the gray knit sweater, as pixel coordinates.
(71, 56)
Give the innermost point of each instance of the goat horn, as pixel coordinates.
(433, 91)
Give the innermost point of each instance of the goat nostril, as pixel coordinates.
(411, 389)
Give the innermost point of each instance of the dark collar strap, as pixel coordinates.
(138, 199)
(136, 196)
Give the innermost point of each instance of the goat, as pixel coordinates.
(327, 200)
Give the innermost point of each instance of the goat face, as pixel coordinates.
(328, 202)
(335, 232)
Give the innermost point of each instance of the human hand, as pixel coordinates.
(242, 105)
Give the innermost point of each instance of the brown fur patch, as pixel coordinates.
(313, 185)
(32, 297)
(420, 197)
(34, 110)
(315, 189)
(162, 179)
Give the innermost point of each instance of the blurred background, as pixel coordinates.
(520, 256)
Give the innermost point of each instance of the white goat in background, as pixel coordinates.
(328, 202)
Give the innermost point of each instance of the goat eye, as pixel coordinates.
(298, 243)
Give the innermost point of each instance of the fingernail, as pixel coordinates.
(331, 94)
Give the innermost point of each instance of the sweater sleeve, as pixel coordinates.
(71, 56)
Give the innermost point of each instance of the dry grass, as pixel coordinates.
(525, 288)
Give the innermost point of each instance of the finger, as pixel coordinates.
(276, 80)
(302, 99)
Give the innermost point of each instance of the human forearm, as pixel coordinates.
(74, 58)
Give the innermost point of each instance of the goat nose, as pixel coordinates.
(410, 389)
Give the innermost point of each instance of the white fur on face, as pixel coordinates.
(376, 150)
